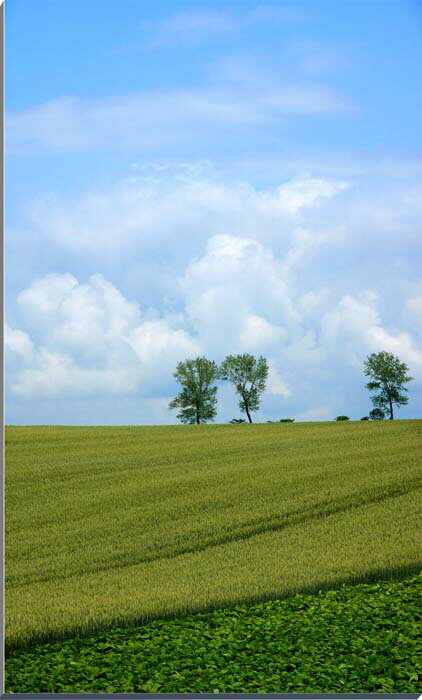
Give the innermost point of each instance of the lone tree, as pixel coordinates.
(388, 375)
(197, 400)
(249, 376)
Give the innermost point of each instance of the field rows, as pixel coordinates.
(127, 524)
(340, 640)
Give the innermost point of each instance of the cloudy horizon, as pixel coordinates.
(199, 180)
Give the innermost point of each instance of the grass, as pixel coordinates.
(362, 638)
(113, 526)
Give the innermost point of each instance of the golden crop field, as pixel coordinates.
(112, 525)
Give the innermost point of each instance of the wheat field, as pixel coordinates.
(113, 525)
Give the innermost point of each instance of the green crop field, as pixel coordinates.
(112, 526)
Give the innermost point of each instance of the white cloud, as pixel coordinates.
(161, 119)
(147, 214)
(354, 326)
(156, 339)
(301, 193)
(258, 334)
(400, 344)
(56, 375)
(236, 292)
(282, 270)
(18, 342)
(82, 316)
(311, 301)
(45, 296)
(275, 384)
(92, 341)
(113, 350)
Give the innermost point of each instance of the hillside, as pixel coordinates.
(108, 526)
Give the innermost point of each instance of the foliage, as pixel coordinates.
(287, 420)
(388, 376)
(342, 418)
(376, 414)
(249, 376)
(197, 400)
(365, 418)
(112, 525)
(362, 638)
(237, 420)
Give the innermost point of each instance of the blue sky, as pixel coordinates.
(189, 178)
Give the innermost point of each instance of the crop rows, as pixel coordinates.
(361, 638)
(108, 526)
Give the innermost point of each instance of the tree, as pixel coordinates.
(376, 414)
(341, 418)
(197, 400)
(249, 376)
(388, 375)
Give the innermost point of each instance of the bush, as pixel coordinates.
(377, 414)
(287, 420)
(365, 418)
(237, 420)
(339, 418)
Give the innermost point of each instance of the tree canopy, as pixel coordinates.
(197, 400)
(376, 414)
(388, 376)
(249, 376)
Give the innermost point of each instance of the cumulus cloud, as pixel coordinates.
(45, 296)
(93, 341)
(66, 314)
(275, 384)
(151, 210)
(19, 343)
(90, 340)
(236, 291)
(156, 342)
(237, 268)
(355, 326)
(55, 375)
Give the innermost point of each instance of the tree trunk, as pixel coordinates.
(391, 409)
(247, 413)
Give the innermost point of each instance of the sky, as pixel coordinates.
(208, 178)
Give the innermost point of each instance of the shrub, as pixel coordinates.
(365, 418)
(237, 420)
(287, 420)
(377, 414)
(339, 418)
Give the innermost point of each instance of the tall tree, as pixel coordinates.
(197, 400)
(249, 376)
(388, 376)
